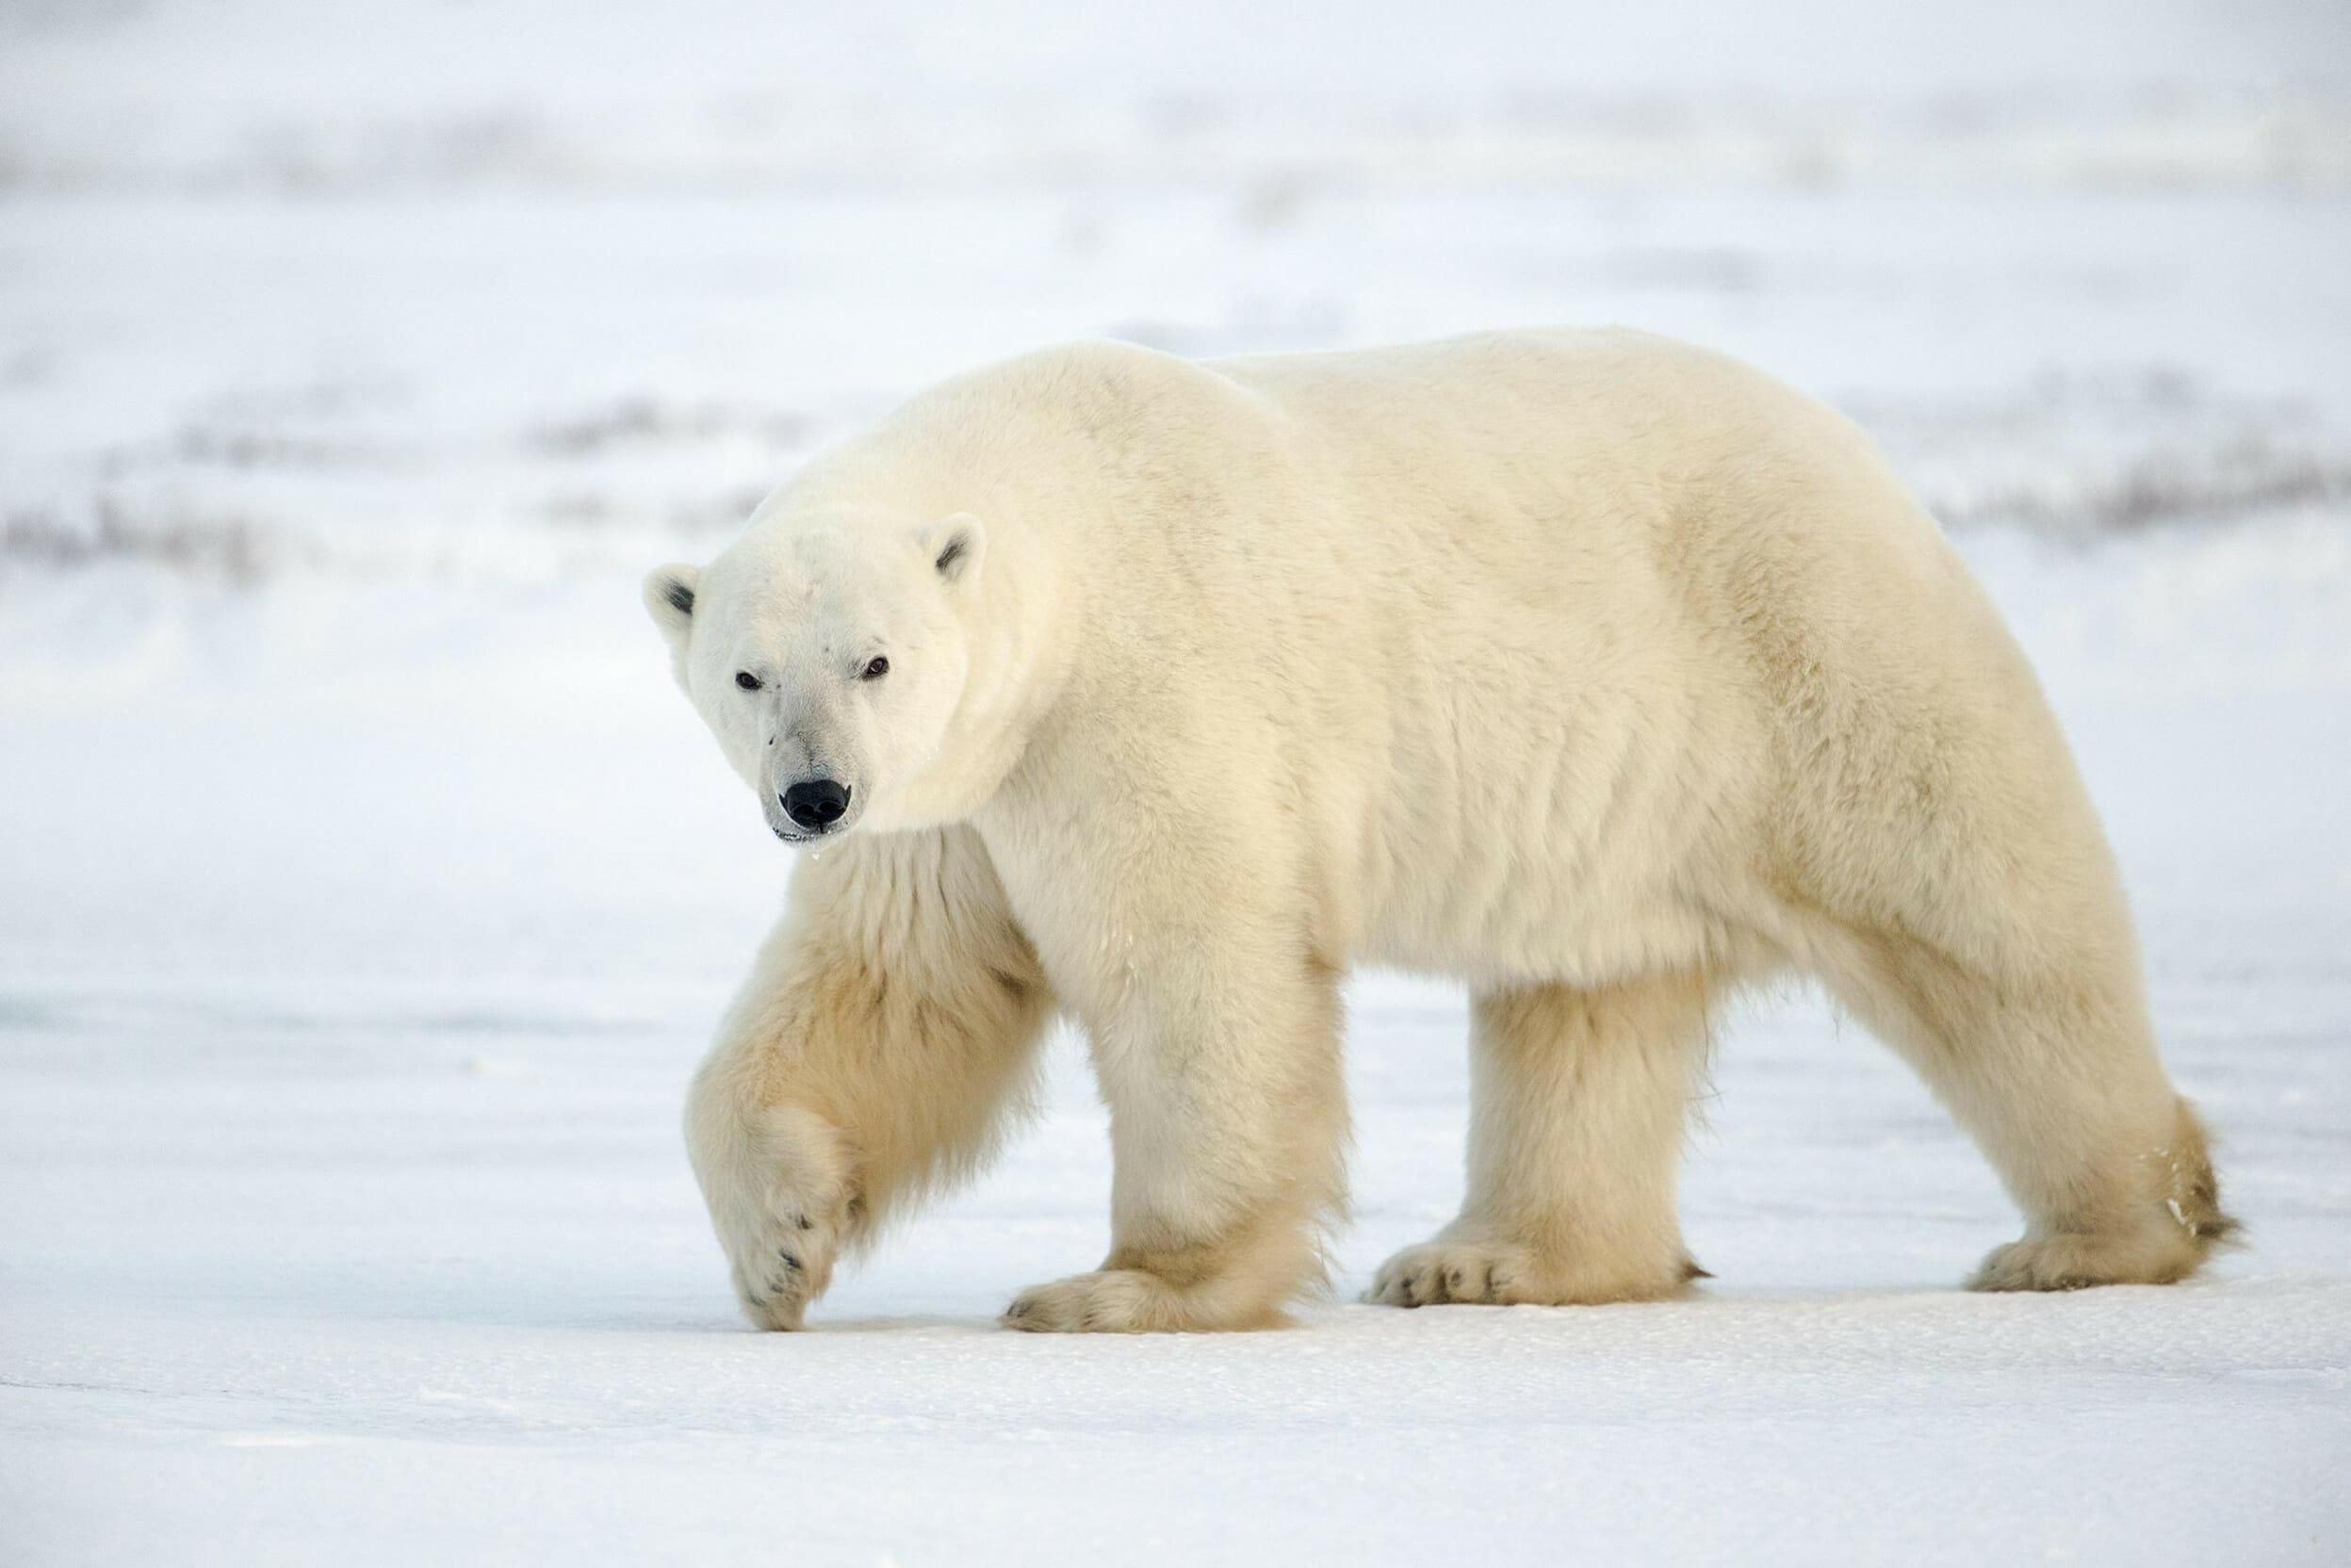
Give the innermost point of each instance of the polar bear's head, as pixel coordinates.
(827, 652)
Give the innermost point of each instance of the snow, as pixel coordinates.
(367, 894)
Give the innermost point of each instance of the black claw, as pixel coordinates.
(805, 1223)
(791, 1261)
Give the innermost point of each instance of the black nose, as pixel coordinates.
(816, 803)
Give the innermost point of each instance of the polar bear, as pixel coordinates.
(1600, 673)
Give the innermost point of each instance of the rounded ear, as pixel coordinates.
(669, 598)
(955, 546)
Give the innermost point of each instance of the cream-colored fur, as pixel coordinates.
(1598, 671)
(893, 1021)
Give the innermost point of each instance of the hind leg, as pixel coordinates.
(2052, 1068)
(1578, 1099)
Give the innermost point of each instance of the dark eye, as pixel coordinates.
(745, 679)
(874, 669)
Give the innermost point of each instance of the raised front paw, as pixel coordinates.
(781, 1260)
(781, 1201)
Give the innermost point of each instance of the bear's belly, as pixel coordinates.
(1581, 837)
(1516, 920)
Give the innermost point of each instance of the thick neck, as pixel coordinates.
(1019, 655)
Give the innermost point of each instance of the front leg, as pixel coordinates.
(1214, 1024)
(888, 1024)
(782, 1189)
(1578, 1102)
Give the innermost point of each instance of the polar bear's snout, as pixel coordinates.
(815, 804)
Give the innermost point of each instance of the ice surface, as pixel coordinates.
(367, 894)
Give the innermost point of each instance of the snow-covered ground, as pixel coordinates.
(365, 892)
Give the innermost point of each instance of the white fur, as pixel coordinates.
(1599, 672)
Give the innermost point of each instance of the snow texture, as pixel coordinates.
(367, 894)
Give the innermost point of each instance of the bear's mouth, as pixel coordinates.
(793, 833)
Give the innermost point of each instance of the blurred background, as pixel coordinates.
(357, 858)
(351, 367)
